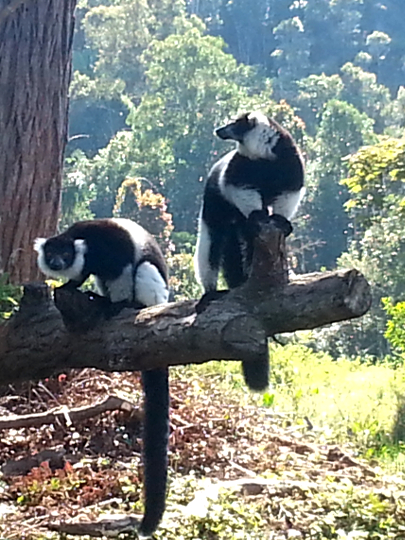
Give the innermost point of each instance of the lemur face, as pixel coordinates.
(60, 256)
(235, 130)
(254, 133)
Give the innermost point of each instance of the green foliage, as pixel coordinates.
(183, 283)
(77, 192)
(314, 92)
(10, 296)
(376, 189)
(375, 181)
(362, 90)
(395, 332)
(121, 31)
(106, 172)
(342, 130)
(192, 86)
(292, 56)
(344, 398)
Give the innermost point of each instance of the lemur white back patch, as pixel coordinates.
(245, 199)
(150, 287)
(137, 233)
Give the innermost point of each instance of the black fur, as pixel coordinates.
(231, 233)
(110, 248)
(155, 442)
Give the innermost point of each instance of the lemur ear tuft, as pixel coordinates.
(80, 246)
(39, 244)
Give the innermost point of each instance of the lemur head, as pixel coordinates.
(255, 134)
(61, 256)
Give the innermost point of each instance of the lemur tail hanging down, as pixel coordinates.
(129, 267)
(263, 178)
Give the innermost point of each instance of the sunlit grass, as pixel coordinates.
(343, 401)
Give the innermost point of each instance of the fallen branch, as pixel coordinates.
(108, 526)
(65, 415)
(55, 457)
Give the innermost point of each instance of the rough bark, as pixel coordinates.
(35, 69)
(36, 343)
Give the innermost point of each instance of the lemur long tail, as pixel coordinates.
(256, 373)
(155, 442)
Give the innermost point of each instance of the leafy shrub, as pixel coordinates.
(9, 297)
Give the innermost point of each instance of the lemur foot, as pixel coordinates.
(209, 297)
(260, 217)
(256, 219)
(282, 223)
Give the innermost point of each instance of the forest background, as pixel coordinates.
(153, 79)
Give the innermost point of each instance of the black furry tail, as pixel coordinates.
(256, 373)
(155, 441)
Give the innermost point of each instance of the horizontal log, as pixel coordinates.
(35, 343)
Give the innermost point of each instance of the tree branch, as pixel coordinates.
(35, 343)
(65, 415)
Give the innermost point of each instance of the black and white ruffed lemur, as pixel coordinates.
(262, 179)
(129, 267)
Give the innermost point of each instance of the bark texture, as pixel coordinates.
(36, 342)
(35, 68)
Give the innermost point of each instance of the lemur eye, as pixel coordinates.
(66, 255)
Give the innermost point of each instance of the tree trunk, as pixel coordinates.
(35, 69)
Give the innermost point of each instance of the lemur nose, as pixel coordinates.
(56, 263)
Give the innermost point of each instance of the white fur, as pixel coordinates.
(205, 274)
(120, 289)
(287, 204)
(245, 199)
(137, 233)
(39, 244)
(150, 287)
(73, 272)
(259, 142)
(147, 286)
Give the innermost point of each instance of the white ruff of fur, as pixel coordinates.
(150, 287)
(259, 142)
(205, 275)
(72, 272)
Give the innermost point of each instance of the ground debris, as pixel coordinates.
(296, 487)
